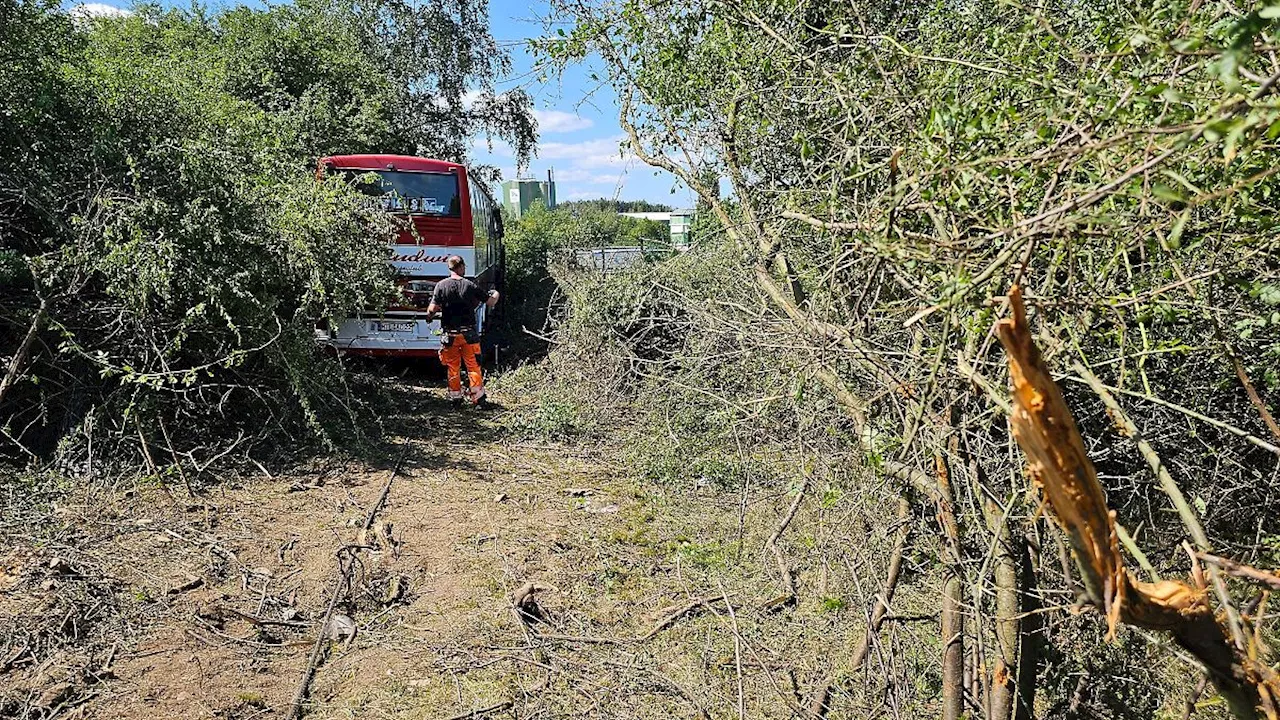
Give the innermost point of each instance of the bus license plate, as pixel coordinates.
(395, 327)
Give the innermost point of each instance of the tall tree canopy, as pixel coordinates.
(166, 247)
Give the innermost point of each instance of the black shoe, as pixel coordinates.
(456, 403)
(482, 403)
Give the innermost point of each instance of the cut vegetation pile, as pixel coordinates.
(167, 248)
(504, 574)
(895, 170)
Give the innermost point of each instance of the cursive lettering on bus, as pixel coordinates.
(420, 256)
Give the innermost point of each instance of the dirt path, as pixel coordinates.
(143, 607)
(468, 518)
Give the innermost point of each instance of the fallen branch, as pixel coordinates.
(680, 689)
(1226, 427)
(821, 703)
(20, 355)
(1190, 705)
(521, 595)
(788, 578)
(1057, 462)
(669, 619)
(1254, 398)
(248, 640)
(525, 607)
(1240, 570)
(1189, 518)
(585, 639)
(265, 622)
(497, 707)
(342, 583)
(176, 462)
(16, 658)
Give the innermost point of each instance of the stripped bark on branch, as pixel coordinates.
(1057, 462)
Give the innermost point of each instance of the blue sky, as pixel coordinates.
(579, 135)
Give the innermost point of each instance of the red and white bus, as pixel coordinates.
(445, 213)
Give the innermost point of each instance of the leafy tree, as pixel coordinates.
(166, 244)
(540, 236)
(895, 167)
(617, 205)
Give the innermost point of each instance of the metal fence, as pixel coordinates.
(607, 259)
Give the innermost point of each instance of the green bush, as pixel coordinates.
(160, 203)
(894, 169)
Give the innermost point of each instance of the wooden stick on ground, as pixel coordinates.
(176, 462)
(670, 618)
(151, 464)
(788, 577)
(821, 703)
(480, 712)
(340, 586)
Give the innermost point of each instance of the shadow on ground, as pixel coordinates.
(407, 402)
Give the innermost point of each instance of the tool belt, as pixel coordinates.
(469, 335)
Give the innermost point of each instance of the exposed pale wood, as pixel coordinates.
(1046, 431)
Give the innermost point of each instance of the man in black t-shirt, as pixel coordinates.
(455, 300)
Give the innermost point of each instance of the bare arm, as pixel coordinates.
(493, 298)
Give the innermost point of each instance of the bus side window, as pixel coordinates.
(480, 240)
(495, 250)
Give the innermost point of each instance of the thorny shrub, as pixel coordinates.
(894, 169)
(167, 247)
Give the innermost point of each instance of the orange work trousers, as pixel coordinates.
(453, 356)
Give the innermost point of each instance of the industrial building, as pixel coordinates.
(681, 222)
(520, 194)
(678, 222)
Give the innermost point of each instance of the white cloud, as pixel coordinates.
(559, 121)
(605, 152)
(597, 153)
(585, 169)
(86, 11)
(585, 176)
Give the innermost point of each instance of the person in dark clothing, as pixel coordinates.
(455, 300)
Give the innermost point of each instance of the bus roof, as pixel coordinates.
(392, 162)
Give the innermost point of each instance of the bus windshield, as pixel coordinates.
(415, 193)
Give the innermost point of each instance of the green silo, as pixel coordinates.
(520, 194)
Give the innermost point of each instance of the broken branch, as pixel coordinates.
(1057, 462)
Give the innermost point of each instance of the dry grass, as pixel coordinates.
(476, 513)
(160, 589)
